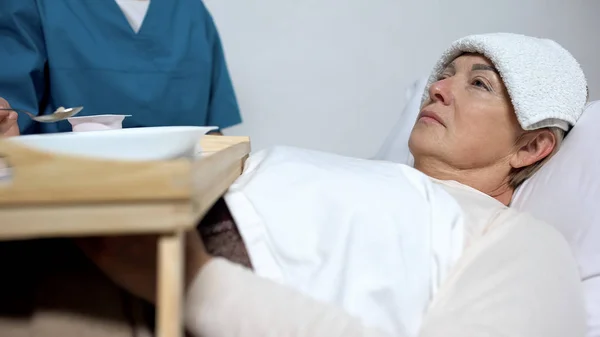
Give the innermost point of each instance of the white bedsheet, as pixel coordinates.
(358, 233)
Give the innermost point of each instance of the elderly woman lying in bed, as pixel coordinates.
(347, 247)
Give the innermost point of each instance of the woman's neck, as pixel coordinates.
(491, 180)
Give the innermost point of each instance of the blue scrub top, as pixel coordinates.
(84, 52)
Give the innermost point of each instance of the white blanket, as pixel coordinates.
(375, 238)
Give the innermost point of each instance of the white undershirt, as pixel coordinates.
(135, 11)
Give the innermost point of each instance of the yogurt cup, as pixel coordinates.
(97, 122)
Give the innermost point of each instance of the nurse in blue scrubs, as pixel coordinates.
(159, 60)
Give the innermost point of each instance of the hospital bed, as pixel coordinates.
(565, 193)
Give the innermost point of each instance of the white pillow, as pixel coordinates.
(395, 146)
(566, 194)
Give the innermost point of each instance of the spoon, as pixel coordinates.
(58, 115)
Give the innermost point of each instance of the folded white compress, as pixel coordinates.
(546, 85)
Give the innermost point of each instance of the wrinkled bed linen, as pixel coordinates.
(375, 238)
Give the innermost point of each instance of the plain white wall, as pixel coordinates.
(331, 74)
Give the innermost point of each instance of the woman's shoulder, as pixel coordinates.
(525, 231)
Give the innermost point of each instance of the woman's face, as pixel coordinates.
(468, 122)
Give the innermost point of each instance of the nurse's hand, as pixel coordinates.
(130, 261)
(8, 120)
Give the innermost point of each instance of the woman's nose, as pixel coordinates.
(441, 91)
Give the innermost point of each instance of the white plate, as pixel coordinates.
(152, 143)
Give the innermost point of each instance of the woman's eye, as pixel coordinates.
(481, 84)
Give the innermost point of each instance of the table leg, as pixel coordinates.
(170, 277)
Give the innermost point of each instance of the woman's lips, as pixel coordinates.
(427, 116)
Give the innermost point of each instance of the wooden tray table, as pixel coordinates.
(49, 195)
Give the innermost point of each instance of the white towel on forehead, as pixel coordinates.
(546, 85)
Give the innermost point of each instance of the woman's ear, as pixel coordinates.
(532, 147)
